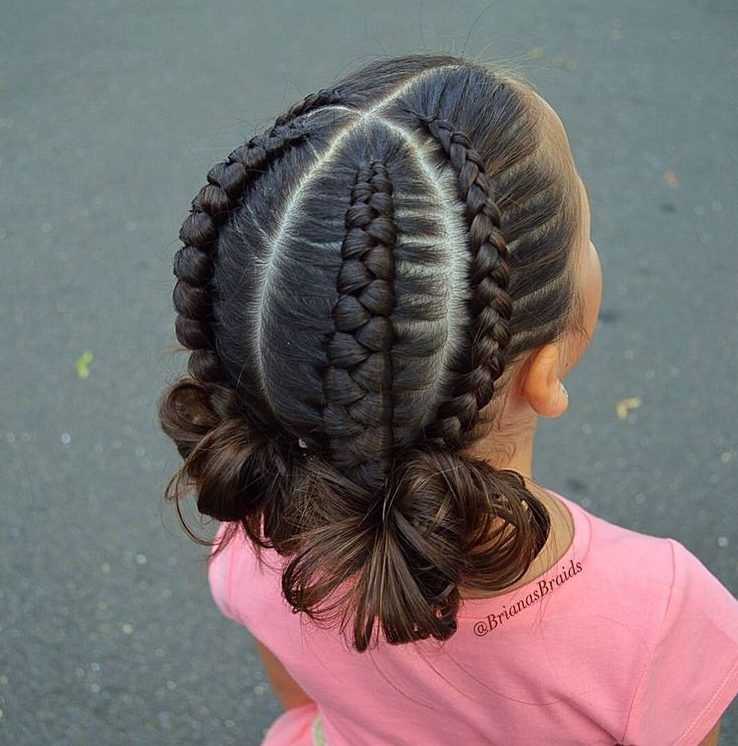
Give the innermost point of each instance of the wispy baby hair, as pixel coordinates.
(360, 280)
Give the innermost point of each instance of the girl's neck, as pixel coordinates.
(519, 457)
(517, 453)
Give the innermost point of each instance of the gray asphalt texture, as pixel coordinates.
(111, 114)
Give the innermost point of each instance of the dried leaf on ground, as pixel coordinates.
(625, 405)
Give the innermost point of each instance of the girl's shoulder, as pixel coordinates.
(603, 541)
(657, 581)
(658, 572)
(625, 560)
(684, 619)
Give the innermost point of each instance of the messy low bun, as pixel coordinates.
(355, 287)
(441, 519)
(234, 467)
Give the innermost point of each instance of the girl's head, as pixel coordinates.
(395, 273)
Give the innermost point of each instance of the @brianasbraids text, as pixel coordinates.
(543, 588)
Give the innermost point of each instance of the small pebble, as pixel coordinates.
(722, 541)
(127, 629)
(66, 438)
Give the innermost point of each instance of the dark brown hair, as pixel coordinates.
(359, 278)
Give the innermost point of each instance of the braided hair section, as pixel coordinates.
(490, 304)
(358, 381)
(203, 409)
(323, 97)
(193, 263)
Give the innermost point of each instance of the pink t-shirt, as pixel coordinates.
(628, 639)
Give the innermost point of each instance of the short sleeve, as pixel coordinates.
(691, 673)
(219, 576)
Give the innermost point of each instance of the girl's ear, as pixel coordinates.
(541, 386)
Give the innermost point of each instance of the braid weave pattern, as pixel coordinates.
(324, 97)
(490, 304)
(357, 383)
(193, 263)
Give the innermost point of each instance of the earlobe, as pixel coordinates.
(541, 386)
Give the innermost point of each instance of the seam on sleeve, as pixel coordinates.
(715, 697)
(654, 642)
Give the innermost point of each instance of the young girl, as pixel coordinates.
(382, 294)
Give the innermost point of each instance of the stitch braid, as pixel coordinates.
(193, 263)
(357, 383)
(490, 304)
(323, 97)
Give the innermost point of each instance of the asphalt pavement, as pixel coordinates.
(111, 114)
